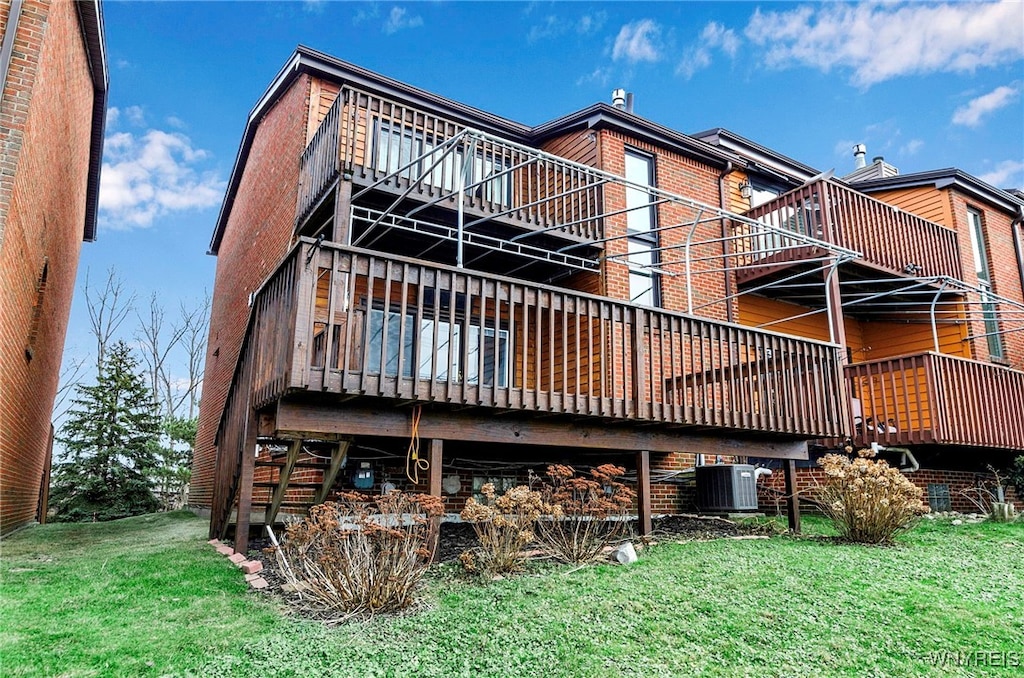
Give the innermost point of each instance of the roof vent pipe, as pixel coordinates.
(629, 102)
(860, 152)
(619, 98)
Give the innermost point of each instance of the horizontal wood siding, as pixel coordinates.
(926, 202)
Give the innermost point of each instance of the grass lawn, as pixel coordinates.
(147, 596)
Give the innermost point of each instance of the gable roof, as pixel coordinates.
(758, 157)
(600, 115)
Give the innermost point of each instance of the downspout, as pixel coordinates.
(727, 244)
(1017, 226)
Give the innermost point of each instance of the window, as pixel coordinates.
(37, 310)
(445, 352)
(502, 484)
(642, 237)
(397, 147)
(988, 308)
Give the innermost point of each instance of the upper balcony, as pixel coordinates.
(402, 160)
(890, 240)
(931, 398)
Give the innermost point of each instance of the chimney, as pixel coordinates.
(629, 102)
(877, 160)
(860, 152)
(619, 98)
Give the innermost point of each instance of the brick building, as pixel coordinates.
(53, 64)
(414, 293)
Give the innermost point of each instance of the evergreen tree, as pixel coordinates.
(110, 436)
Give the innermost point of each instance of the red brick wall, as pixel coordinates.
(960, 485)
(45, 129)
(682, 176)
(257, 236)
(1004, 269)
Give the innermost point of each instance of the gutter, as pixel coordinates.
(7, 48)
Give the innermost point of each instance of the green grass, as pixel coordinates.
(147, 596)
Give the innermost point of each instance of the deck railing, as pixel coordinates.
(936, 398)
(366, 324)
(407, 151)
(885, 235)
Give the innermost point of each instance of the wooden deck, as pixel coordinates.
(931, 398)
(351, 322)
(339, 338)
(888, 237)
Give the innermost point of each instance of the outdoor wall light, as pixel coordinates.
(746, 190)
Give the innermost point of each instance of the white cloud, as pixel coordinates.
(152, 175)
(698, 56)
(1007, 174)
(912, 147)
(878, 42)
(844, 148)
(113, 113)
(638, 41)
(313, 6)
(399, 18)
(599, 76)
(972, 113)
(135, 115)
(176, 122)
(552, 26)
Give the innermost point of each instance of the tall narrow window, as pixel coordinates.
(642, 238)
(988, 307)
(37, 310)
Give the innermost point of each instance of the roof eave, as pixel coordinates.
(90, 15)
(946, 178)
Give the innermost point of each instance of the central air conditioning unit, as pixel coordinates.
(726, 488)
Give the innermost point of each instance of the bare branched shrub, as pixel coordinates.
(868, 500)
(360, 554)
(587, 513)
(504, 525)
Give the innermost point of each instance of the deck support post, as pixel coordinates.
(338, 456)
(282, 481)
(342, 227)
(643, 491)
(792, 498)
(245, 480)
(434, 489)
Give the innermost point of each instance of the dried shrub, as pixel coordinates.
(587, 513)
(360, 554)
(503, 525)
(867, 500)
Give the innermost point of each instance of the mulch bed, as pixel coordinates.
(458, 537)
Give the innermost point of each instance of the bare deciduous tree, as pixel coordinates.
(108, 307)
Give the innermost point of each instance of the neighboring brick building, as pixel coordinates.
(393, 265)
(54, 70)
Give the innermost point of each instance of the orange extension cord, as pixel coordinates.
(413, 463)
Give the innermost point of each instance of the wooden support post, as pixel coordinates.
(792, 500)
(342, 231)
(282, 481)
(643, 491)
(338, 457)
(434, 533)
(245, 484)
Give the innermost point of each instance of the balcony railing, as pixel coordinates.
(392, 147)
(887, 236)
(348, 321)
(932, 398)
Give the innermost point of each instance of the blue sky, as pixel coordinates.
(925, 85)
